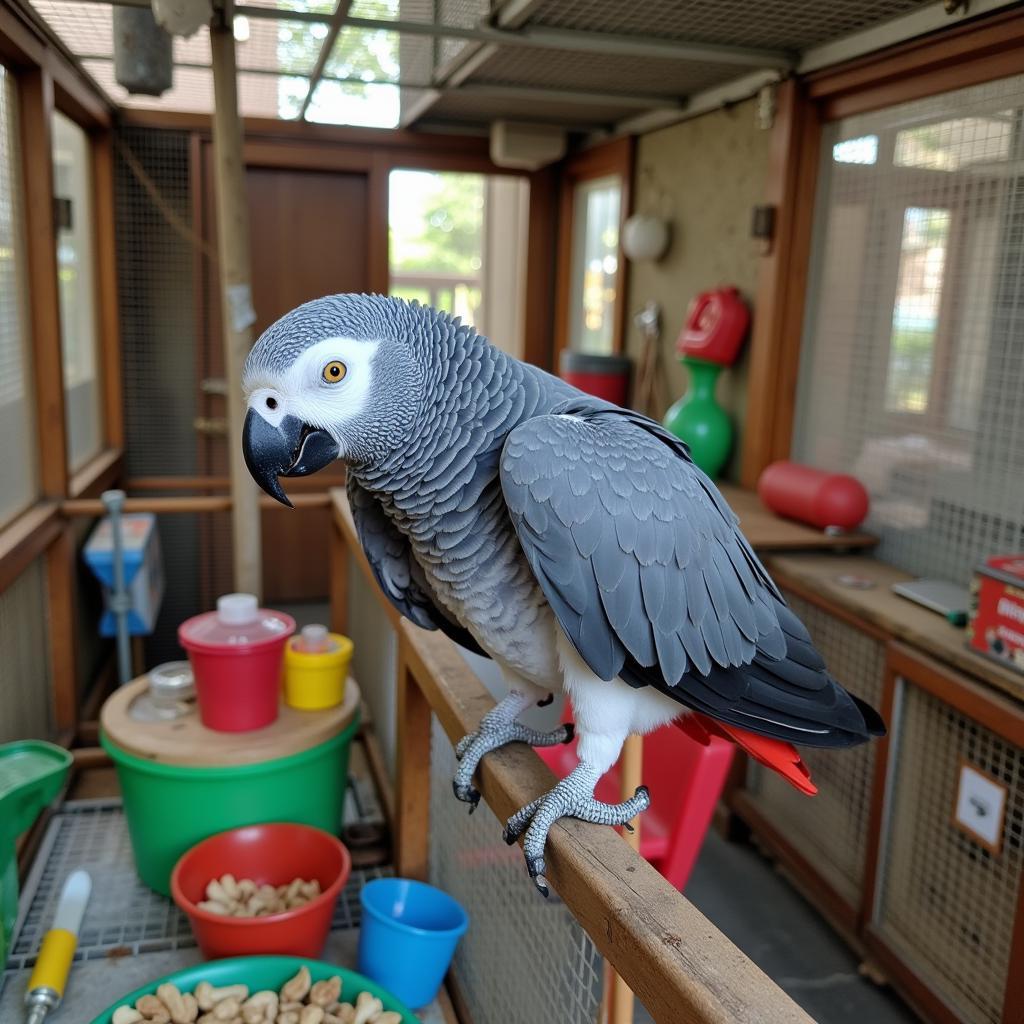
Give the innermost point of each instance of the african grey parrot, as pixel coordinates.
(572, 541)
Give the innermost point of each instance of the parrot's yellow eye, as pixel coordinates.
(334, 371)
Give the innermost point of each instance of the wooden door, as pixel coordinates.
(308, 233)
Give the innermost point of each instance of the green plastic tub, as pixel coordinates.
(170, 808)
(261, 972)
(31, 775)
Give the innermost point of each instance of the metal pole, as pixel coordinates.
(120, 598)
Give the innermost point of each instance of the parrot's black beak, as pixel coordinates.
(292, 448)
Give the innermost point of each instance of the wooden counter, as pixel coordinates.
(817, 577)
(768, 532)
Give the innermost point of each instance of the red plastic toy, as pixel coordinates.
(716, 325)
(813, 496)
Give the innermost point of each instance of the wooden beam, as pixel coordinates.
(109, 320)
(90, 507)
(25, 539)
(538, 319)
(236, 290)
(60, 580)
(782, 284)
(412, 784)
(35, 88)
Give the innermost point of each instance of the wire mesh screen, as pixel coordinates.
(26, 695)
(913, 353)
(947, 903)
(159, 332)
(524, 956)
(18, 453)
(831, 830)
(793, 25)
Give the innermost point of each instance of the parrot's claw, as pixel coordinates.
(497, 729)
(547, 701)
(468, 794)
(573, 797)
(537, 868)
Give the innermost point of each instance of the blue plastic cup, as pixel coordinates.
(408, 937)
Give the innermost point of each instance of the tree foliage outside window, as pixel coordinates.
(436, 232)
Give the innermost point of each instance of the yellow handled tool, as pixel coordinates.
(50, 975)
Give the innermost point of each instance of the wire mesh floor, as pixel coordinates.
(125, 917)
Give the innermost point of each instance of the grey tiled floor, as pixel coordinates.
(740, 892)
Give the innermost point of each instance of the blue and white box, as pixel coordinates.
(143, 570)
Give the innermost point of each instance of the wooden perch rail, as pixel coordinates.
(679, 965)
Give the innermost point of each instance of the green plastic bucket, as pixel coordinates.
(31, 775)
(170, 808)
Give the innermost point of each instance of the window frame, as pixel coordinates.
(46, 80)
(983, 49)
(613, 159)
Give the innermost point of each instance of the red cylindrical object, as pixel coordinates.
(238, 685)
(813, 496)
(605, 377)
(272, 854)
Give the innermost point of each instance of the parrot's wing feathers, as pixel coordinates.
(645, 569)
(399, 575)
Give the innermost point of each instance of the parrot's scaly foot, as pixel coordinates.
(573, 797)
(497, 728)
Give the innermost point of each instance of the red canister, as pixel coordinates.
(813, 496)
(605, 377)
(236, 655)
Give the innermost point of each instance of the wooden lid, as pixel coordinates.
(186, 741)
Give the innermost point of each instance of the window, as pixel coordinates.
(595, 265)
(72, 183)
(912, 367)
(916, 311)
(18, 452)
(458, 243)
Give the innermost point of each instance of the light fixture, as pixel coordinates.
(645, 236)
(647, 233)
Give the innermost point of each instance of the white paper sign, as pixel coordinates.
(240, 305)
(980, 806)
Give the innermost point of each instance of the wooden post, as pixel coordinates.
(235, 280)
(620, 1002)
(412, 792)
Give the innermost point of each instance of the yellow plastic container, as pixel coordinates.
(315, 679)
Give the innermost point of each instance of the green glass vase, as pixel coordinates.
(699, 420)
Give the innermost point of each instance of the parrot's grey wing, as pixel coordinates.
(399, 575)
(642, 563)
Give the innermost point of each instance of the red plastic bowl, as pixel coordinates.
(271, 854)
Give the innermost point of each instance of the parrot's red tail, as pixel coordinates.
(778, 755)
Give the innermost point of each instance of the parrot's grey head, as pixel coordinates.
(337, 378)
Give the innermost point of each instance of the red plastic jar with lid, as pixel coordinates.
(236, 654)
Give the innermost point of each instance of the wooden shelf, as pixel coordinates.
(768, 532)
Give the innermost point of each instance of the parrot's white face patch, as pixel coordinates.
(307, 393)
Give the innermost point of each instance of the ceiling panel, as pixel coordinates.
(781, 24)
(569, 69)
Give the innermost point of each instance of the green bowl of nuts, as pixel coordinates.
(259, 990)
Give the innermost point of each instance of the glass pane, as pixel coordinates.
(595, 265)
(436, 232)
(72, 184)
(916, 313)
(17, 420)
